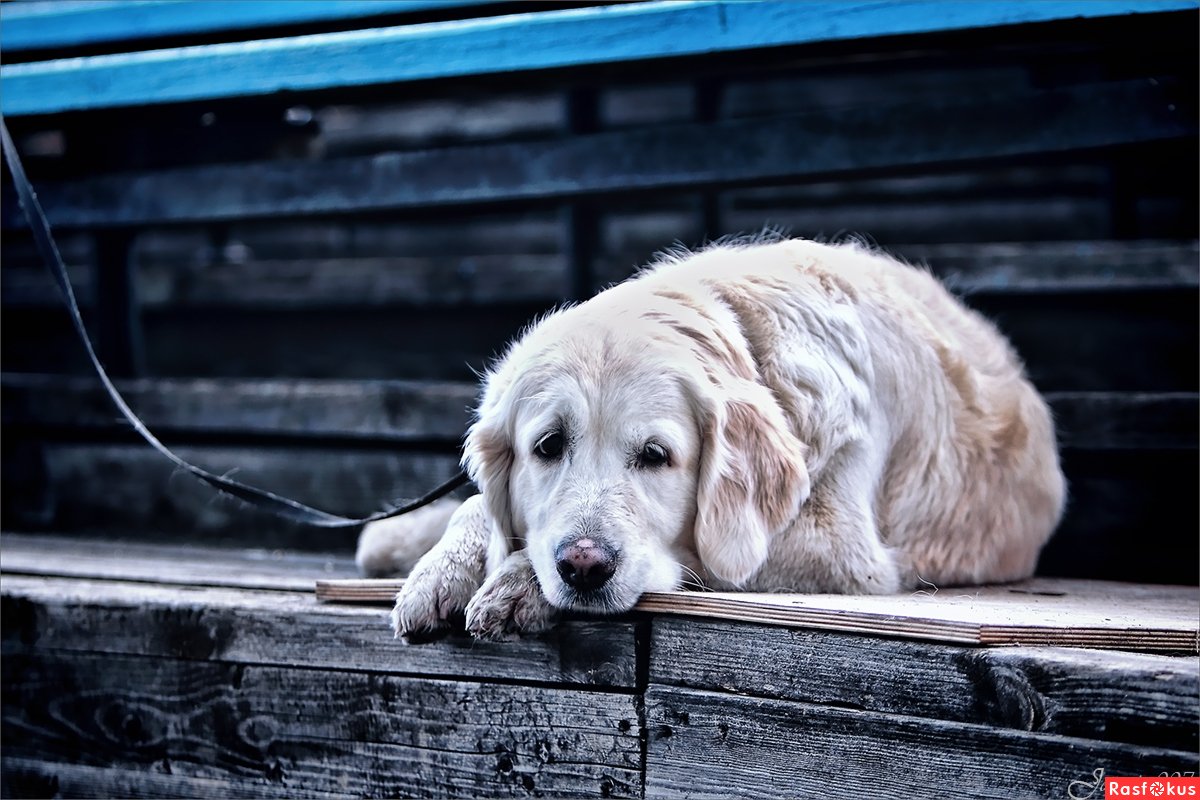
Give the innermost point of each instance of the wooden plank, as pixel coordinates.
(325, 730)
(356, 282)
(1125, 697)
(185, 565)
(1095, 341)
(341, 343)
(408, 411)
(991, 213)
(702, 743)
(1101, 341)
(293, 630)
(175, 279)
(521, 42)
(848, 139)
(1039, 611)
(131, 489)
(375, 411)
(46, 24)
(1126, 420)
(1130, 518)
(32, 777)
(1060, 266)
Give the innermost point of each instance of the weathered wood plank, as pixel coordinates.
(778, 149)
(521, 42)
(187, 565)
(1119, 341)
(386, 281)
(132, 488)
(1033, 612)
(702, 743)
(1125, 697)
(376, 411)
(1129, 518)
(1040, 611)
(337, 731)
(1060, 266)
(340, 282)
(31, 777)
(1127, 420)
(406, 411)
(1101, 341)
(294, 630)
(479, 279)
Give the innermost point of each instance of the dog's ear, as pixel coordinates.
(488, 449)
(752, 482)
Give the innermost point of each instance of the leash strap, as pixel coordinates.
(260, 498)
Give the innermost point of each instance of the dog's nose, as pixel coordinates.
(585, 564)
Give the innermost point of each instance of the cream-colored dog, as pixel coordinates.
(760, 416)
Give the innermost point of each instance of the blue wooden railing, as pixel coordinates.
(513, 43)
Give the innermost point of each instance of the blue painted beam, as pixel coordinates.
(521, 42)
(47, 24)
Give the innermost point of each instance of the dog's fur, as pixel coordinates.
(835, 421)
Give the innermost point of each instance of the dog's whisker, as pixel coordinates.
(692, 579)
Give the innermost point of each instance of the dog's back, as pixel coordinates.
(864, 351)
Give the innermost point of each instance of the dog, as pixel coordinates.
(766, 415)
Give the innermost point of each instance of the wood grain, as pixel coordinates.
(703, 743)
(1040, 611)
(1125, 697)
(291, 629)
(184, 565)
(372, 411)
(132, 488)
(1059, 266)
(32, 777)
(774, 150)
(332, 730)
(469, 280)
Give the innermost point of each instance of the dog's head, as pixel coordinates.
(628, 441)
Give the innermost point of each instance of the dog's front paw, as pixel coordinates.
(510, 603)
(432, 601)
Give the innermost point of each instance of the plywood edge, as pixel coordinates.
(1016, 618)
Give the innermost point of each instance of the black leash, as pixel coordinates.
(267, 501)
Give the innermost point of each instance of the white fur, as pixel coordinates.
(835, 420)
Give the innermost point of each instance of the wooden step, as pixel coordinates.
(118, 682)
(780, 150)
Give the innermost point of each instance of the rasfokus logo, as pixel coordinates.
(1164, 786)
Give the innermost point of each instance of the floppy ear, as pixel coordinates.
(488, 450)
(752, 482)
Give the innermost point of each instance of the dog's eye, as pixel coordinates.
(653, 455)
(549, 447)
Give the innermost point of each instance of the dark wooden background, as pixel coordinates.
(289, 305)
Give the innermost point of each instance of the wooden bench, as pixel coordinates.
(297, 227)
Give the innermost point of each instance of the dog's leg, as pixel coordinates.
(442, 583)
(834, 545)
(510, 602)
(392, 547)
